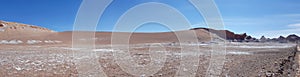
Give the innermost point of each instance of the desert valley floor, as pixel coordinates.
(58, 60)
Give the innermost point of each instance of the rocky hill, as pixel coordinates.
(12, 32)
(293, 38)
(17, 33)
(19, 27)
(226, 34)
(233, 37)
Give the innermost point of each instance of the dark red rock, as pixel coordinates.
(226, 34)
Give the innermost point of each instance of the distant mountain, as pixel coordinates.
(17, 33)
(231, 36)
(226, 34)
(293, 38)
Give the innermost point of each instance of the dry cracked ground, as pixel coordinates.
(241, 60)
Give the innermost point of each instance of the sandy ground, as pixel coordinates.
(242, 60)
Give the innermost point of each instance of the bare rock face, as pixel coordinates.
(12, 26)
(282, 39)
(226, 34)
(293, 38)
(263, 39)
(16, 33)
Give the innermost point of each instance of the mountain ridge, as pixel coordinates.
(24, 32)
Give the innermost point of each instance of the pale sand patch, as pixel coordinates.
(239, 53)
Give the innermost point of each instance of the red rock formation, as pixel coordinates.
(226, 34)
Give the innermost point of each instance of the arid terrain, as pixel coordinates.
(31, 51)
(248, 60)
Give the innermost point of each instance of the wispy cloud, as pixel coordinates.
(297, 25)
(293, 28)
(291, 15)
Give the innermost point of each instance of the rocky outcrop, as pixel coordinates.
(293, 38)
(226, 34)
(14, 32)
(281, 39)
(231, 36)
(263, 39)
(12, 26)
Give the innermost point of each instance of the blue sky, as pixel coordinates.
(255, 17)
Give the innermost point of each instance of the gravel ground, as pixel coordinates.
(242, 60)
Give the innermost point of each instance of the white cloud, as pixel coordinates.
(292, 15)
(297, 25)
